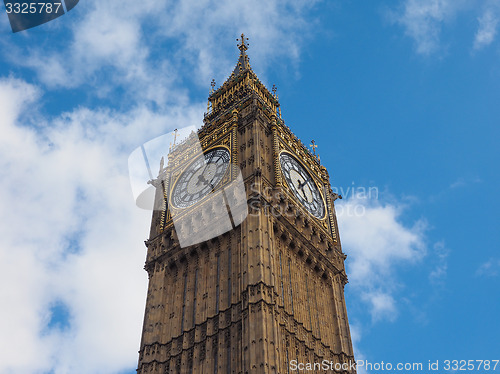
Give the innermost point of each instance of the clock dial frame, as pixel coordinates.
(200, 178)
(302, 185)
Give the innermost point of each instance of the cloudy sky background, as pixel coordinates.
(401, 96)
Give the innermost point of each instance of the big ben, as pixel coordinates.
(246, 270)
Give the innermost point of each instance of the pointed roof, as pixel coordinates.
(243, 61)
(244, 80)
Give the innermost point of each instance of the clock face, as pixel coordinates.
(200, 178)
(302, 185)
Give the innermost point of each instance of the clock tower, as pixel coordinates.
(266, 294)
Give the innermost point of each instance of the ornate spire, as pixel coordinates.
(243, 61)
(242, 82)
(243, 46)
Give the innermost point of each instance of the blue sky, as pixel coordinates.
(400, 96)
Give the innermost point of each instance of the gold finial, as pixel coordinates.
(274, 90)
(242, 45)
(313, 146)
(212, 84)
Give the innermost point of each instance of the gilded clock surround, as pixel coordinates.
(315, 182)
(266, 292)
(223, 182)
(179, 160)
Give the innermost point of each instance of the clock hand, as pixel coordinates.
(301, 185)
(201, 179)
(217, 174)
(209, 162)
(304, 193)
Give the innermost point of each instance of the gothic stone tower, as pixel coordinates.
(268, 291)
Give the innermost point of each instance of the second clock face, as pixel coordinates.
(200, 178)
(302, 185)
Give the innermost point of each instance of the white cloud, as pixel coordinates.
(383, 305)
(376, 242)
(424, 21)
(490, 268)
(376, 239)
(487, 29)
(460, 182)
(440, 255)
(356, 336)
